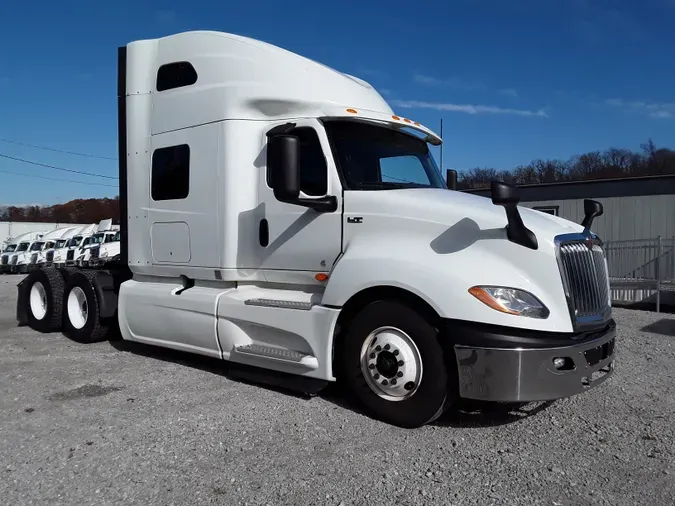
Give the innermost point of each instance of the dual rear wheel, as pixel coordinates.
(65, 300)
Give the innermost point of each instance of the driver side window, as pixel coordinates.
(312, 167)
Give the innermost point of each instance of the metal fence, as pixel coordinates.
(641, 269)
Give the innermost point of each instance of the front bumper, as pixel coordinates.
(508, 365)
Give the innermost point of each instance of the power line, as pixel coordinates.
(57, 179)
(56, 168)
(57, 150)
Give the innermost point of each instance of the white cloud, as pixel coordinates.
(509, 92)
(452, 82)
(467, 108)
(662, 110)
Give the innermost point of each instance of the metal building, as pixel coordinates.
(635, 208)
(637, 227)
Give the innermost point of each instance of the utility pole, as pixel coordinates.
(441, 144)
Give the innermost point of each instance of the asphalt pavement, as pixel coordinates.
(115, 423)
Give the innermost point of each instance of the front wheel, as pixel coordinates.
(395, 366)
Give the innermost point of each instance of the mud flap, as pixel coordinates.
(104, 286)
(22, 302)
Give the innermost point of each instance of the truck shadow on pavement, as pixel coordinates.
(467, 414)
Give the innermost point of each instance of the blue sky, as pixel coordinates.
(513, 80)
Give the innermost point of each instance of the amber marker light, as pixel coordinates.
(322, 276)
(488, 300)
(511, 301)
(353, 111)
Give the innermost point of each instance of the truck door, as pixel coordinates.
(295, 239)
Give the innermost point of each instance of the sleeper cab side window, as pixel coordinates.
(170, 179)
(175, 75)
(312, 166)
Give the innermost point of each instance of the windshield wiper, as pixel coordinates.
(381, 186)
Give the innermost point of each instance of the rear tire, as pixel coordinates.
(44, 300)
(404, 380)
(81, 319)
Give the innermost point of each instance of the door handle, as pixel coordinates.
(264, 233)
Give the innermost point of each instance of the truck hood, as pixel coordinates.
(449, 208)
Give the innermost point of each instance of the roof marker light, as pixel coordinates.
(396, 118)
(407, 120)
(353, 111)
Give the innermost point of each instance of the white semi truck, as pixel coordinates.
(14, 247)
(278, 214)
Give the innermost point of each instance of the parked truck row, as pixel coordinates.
(279, 215)
(66, 246)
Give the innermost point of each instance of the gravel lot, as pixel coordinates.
(104, 424)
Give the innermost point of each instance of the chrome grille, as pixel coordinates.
(585, 278)
(15, 258)
(50, 256)
(93, 253)
(33, 258)
(5, 259)
(70, 254)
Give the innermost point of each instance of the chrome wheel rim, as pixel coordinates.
(391, 364)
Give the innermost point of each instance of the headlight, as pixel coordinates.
(510, 300)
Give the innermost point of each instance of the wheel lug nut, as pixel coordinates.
(396, 353)
(372, 355)
(386, 346)
(371, 366)
(378, 348)
(400, 362)
(399, 374)
(384, 382)
(393, 381)
(376, 376)
(409, 386)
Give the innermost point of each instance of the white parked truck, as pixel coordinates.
(108, 251)
(276, 213)
(65, 254)
(13, 247)
(29, 259)
(46, 256)
(24, 245)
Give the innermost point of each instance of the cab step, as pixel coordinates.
(278, 354)
(284, 304)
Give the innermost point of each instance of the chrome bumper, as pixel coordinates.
(524, 374)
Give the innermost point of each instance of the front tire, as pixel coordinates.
(395, 366)
(81, 319)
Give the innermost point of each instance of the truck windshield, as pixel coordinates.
(36, 246)
(60, 243)
(10, 248)
(372, 157)
(22, 247)
(75, 241)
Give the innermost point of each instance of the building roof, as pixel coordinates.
(594, 188)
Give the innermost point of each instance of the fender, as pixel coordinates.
(443, 279)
